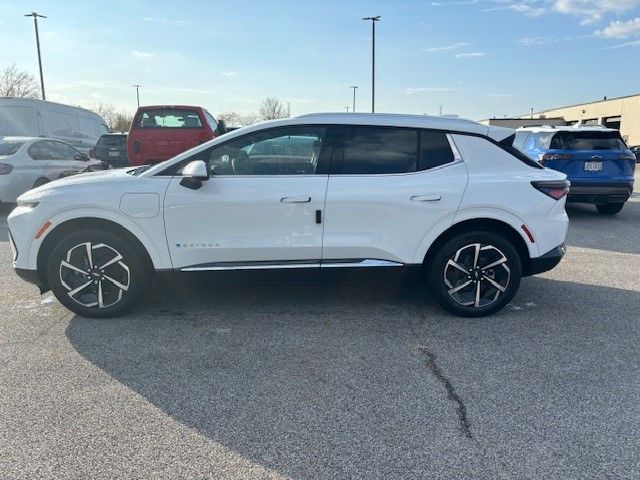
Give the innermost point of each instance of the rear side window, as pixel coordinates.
(520, 140)
(379, 150)
(435, 150)
(588, 140)
(9, 148)
(167, 118)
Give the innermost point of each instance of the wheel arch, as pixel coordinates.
(84, 222)
(482, 224)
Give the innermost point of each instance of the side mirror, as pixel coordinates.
(222, 127)
(194, 173)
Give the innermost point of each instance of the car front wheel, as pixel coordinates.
(97, 273)
(475, 274)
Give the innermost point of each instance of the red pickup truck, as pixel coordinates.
(161, 132)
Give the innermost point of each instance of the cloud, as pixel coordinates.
(139, 54)
(457, 2)
(620, 29)
(416, 90)
(537, 40)
(229, 73)
(453, 46)
(470, 55)
(531, 8)
(634, 43)
(166, 21)
(591, 11)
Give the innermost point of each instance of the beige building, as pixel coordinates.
(622, 113)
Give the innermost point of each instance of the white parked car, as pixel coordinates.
(448, 196)
(27, 163)
(32, 117)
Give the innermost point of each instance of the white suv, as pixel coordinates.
(449, 196)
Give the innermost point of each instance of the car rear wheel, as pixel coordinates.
(609, 208)
(96, 273)
(475, 274)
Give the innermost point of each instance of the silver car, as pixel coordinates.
(28, 162)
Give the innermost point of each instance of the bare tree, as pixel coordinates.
(236, 119)
(17, 83)
(272, 108)
(117, 121)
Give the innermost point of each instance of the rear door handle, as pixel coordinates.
(426, 198)
(295, 199)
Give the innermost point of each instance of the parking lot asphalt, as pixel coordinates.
(349, 379)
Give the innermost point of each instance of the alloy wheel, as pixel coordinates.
(477, 275)
(94, 275)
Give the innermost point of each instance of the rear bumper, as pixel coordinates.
(547, 261)
(600, 192)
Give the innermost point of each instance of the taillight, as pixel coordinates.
(5, 168)
(626, 156)
(555, 189)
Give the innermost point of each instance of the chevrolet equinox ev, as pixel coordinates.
(368, 191)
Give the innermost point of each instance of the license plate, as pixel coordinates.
(592, 166)
(114, 154)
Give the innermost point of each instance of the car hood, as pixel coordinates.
(92, 180)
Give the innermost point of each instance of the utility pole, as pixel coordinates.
(137, 87)
(35, 22)
(347, 109)
(353, 109)
(440, 110)
(373, 60)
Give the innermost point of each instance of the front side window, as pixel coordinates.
(283, 151)
(379, 150)
(67, 151)
(168, 118)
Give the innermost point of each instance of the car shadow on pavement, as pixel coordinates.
(317, 380)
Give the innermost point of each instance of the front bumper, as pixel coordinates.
(547, 261)
(600, 192)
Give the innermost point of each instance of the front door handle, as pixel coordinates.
(426, 198)
(295, 199)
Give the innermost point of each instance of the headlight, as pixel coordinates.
(31, 205)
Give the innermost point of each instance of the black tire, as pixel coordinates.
(609, 208)
(462, 250)
(121, 284)
(39, 182)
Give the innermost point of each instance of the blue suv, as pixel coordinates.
(595, 159)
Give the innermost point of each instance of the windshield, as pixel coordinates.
(588, 140)
(8, 147)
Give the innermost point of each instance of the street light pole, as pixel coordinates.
(373, 60)
(137, 87)
(353, 109)
(35, 22)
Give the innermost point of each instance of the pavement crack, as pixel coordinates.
(461, 408)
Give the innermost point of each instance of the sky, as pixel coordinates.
(473, 58)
